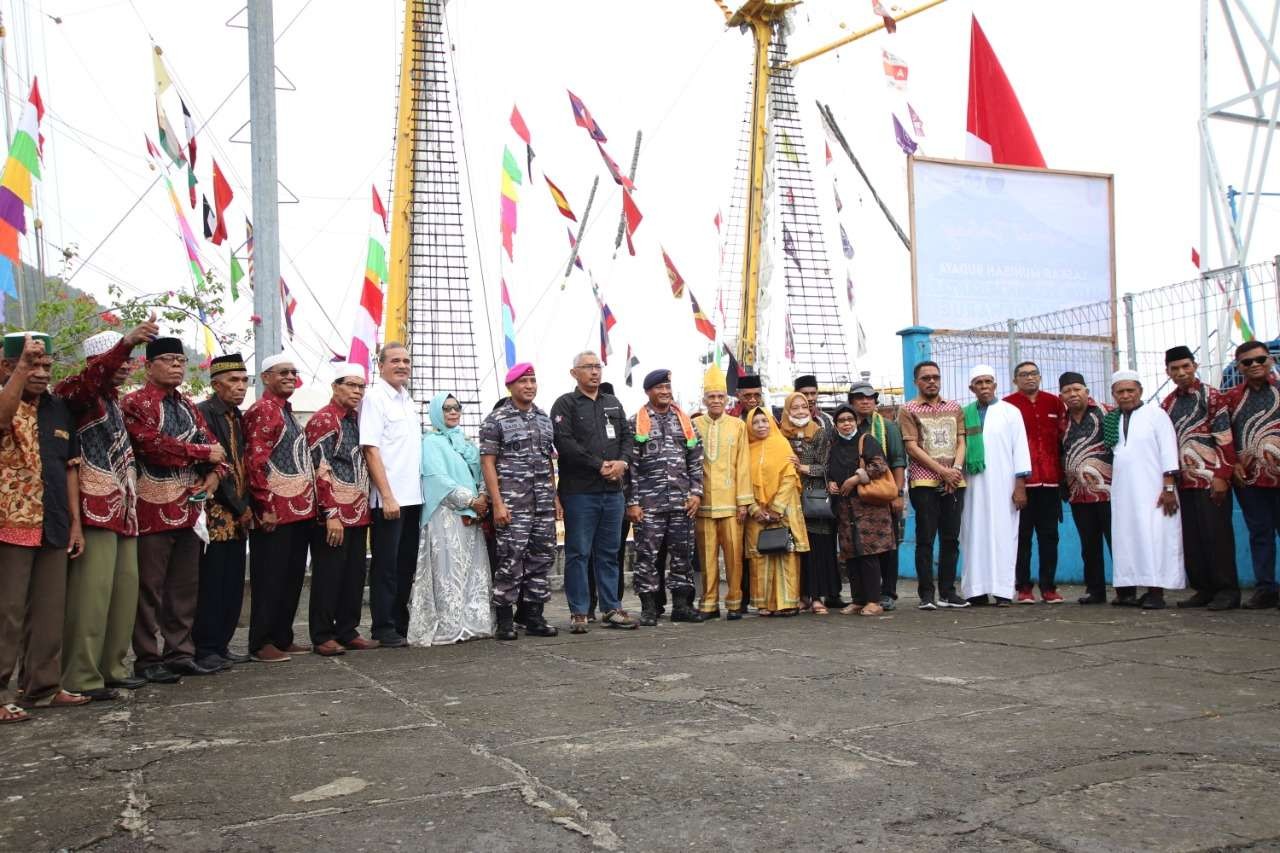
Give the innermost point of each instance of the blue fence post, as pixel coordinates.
(916, 347)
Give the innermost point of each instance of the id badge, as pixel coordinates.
(609, 432)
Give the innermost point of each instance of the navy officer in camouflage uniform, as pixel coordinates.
(515, 456)
(664, 491)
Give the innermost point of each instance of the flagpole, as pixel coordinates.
(266, 223)
(582, 227)
(622, 220)
(852, 37)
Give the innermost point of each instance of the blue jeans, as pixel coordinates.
(1261, 510)
(592, 528)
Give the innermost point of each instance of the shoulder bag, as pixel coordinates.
(881, 491)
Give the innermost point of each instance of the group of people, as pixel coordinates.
(124, 520)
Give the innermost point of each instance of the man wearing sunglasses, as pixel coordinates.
(283, 492)
(1255, 425)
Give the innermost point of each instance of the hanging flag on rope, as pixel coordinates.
(836, 192)
(582, 118)
(848, 280)
(677, 283)
(573, 244)
(904, 140)
(248, 251)
(789, 247)
(789, 342)
(511, 178)
(890, 25)
(628, 375)
(718, 221)
(290, 305)
(522, 130)
(338, 358)
(1195, 258)
(189, 126)
(916, 123)
(827, 147)
(193, 262)
(152, 151)
(22, 165)
(191, 185)
(607, 322)
(845, 245)
(789, 148)
(210, 218)
(237, 273)
(168, 139)
(791, 199)
(222, 196)
(895, 69)
(508, 326)
(364, 337)
(618, 178)
(997, 131)
(700, 321)
(558, 197)
(162, 75)
(862, 341)
(632, 215)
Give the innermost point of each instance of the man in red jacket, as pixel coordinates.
(1042, 414)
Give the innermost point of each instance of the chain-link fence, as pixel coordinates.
(1211, 315)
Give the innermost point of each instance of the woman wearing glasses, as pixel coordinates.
(450, 600)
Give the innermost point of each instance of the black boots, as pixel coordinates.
(534, 624)
(506, 625)
(648, 609)
(682, 607)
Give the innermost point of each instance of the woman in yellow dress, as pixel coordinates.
(775, 578)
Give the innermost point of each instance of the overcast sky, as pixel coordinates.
(1109, 88)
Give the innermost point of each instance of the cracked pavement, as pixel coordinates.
(1036, 727)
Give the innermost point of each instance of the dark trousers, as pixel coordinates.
(1040, 516)
(937, 517)
(1261, 509)
(337, 585)
(1093, 523)
(221, 597)
(168, 588)
(889, 574)
(277, 567)
(394, 543)
(1208, 542)
(865, 577)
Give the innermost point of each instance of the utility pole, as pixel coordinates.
(266, 213)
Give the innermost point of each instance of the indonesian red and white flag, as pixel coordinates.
(997, 131)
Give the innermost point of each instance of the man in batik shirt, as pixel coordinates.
(1254, 405)
(1086, 475)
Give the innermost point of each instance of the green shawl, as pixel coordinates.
(975, 453)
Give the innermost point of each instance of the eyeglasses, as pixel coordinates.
(1027, 374)
(1250, 362)
(595, 366)
(451, 407)
(285, 371)
(171, 359)
(355, 385)
(937, 377)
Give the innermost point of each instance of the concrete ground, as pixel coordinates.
(1035, 727)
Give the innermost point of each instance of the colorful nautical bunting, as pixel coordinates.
(573, 244)
(522, 130)
(508, 326)
(607, 322)
(836, 192)
(700, 320)
(248, 251)
(222, 196)
(890, 25)
(904, 140)
(210, 218)
(189, 126)
(916, 123)
(237, 273)
(677, 283)
(632, 216)
(364, 337)
(789, 341)
(628, 375)
(582, 118)
(733, 372)
(895, 69)
(162, 75)
(511, 178)
(845, 245)
(290, 305)
(22, 165)
(848, 280)
(193, 261)
(827, 147)
(789, 247)
(789, 148)
(562, 203)
(618, 178)
(168, 139)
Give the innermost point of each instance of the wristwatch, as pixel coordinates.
(1169, 488)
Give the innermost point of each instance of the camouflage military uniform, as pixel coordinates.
(664, 473)
(521, 443)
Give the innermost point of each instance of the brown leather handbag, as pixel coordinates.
(881, 491)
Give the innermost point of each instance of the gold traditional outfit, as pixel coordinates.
(775, 578)
(726, 486)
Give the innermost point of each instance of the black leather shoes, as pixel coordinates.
(101, 694)
(1261, 600)
(1200, 599)
(1225, 600)
(395, 641)
(1153, 600)
(233, 658)
(190, 667)
(1090, 598)
(160, 674)
(129, 682)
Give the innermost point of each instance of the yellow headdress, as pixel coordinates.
(713, 380)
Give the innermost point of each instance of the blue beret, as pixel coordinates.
(656, 377)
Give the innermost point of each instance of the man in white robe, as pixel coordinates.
(1146, 532)
(997, 491)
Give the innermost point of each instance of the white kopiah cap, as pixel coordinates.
(982, 370)
(275, 360)
(100, 343)
(342, 371)
(1126, 376)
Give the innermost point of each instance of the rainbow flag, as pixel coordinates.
(22, 165)
(508, 326)
(364, 339)
(511, 178)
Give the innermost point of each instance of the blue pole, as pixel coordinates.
(916, 347)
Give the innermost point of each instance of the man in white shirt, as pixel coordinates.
(391, 438)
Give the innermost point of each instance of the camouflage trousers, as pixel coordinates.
(526, 549)
(673, 529)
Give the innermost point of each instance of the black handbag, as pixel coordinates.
(816, 504)
(774, 540)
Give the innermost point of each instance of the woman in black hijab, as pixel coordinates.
(864, 530)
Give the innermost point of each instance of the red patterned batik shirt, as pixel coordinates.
(342, 479)
(1086, 461)
(1206, 448)
(281, 478)
(1255, 425)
